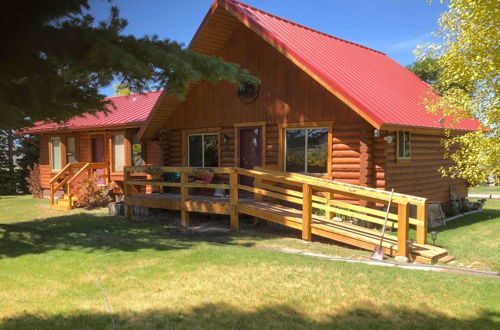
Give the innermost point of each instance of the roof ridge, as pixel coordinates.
(304, 26)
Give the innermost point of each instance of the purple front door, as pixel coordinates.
(250, 140)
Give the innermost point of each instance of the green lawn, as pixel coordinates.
(159, 276)
(484, 189)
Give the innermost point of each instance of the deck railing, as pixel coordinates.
(66, 177)
(314, 197)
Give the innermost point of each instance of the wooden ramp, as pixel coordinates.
(296, 201)
(343, 232)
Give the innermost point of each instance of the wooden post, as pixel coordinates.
(126, 193)
(403, 227)
(256, 184)
(184, 198)
(52, 194)
(70, 196)
(306, 212)
(328, 213)
(233, 198)
(422, 229)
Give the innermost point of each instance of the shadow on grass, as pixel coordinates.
(92, 232)
(222, 316)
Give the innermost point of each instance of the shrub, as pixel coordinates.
(34, 182)
(90, 194)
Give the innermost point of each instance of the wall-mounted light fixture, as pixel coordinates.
(388, 139)
(225, 139)
(376, 133)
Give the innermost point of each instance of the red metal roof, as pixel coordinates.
(128, 110)
(381, 90)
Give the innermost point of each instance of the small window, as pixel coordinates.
(71, 150)
(137, 152)
(203, 150)
(403, 145)
(118, 152)
(306, 150)
(55, 145)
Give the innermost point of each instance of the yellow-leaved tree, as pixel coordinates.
(468, 60)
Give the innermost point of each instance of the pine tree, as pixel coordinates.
(54, 58)
(9, 177)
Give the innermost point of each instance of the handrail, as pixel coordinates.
(77, 174)
(303, 191)
(61, 172)
(346, 187)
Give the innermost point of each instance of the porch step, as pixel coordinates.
(59, 207)
(445, 259)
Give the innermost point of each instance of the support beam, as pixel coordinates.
(126, 192)
(184, 198)
(233, 199)
(422, 229)
(307, 212)
(403, 227)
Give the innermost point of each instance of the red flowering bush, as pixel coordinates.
(34, 182)
(90, 193)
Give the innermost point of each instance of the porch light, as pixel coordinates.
(376, 133)
(225, 139)
(434, 235)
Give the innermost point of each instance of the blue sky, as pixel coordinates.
(394, 27)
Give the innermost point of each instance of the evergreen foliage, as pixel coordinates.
(54, 58)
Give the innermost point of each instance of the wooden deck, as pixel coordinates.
(292, 207)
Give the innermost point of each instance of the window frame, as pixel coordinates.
(143, 150)
(398, 142)
(203, 145)
(305, 125)
(112, 151)
(51, 154)
(66, 148)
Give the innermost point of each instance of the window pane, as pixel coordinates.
(137, 152)
(400, 144)
(56, 154)
(71, 150)
(211, 151)
(118, 153)
(407, 144)
(295, 150)
(317, 150)
(195, 150)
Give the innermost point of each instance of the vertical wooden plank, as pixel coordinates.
(52, 194)
(306, 212)
(328, 213)
(184, 198)
(422, 229)
(256, 183)
(403, 227)
(126, 193)
(233, 198)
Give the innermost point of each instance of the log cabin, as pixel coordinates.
(109, 141)
(325, 107)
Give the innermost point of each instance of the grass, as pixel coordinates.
(484, 189)
(159, 276)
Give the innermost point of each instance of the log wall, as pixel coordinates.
(420, 174)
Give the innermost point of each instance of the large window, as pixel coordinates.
(203, 150)
(118, 152)
(137, 152)
(71, 150)
(306, 150)
(403, 145)
(55, 147)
